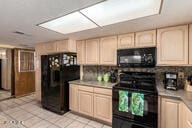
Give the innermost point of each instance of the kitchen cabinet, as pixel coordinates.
(172, 45)
(81, 52)
(73, 98)
(56, 47)
(85, 100)
(66, 46)
(103, 104)
(171, 113)
(92, 52)
(108, 50)
(145, 39)
(126, 41)
(190, 44)
(187, 117)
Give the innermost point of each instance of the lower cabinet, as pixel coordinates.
(91, 101)
(187, 117)
(73, 98)
(103, 107)
(86, 103)
(170, 113)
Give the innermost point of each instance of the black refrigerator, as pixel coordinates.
(56, 72)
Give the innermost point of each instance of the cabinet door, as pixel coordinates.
(73, 97)
(49, 47)
(86, 103)
(81, 52)
(190, 44)
(66, 46)
(108, 51)
(126, 41)
(172, 46)
(187, 117)
(92, 51)
(171, 113)
(103, 107)
(145, 39)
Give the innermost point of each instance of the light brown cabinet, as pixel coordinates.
(126, 41)
(187, 117)
(108, 50)
(85, 102)
(80, 52)
(73, 98)
(92, 51)
(66, 46)
(172, 45)
(145, 38)
(190, 44)
(102, 97)
(171, 113)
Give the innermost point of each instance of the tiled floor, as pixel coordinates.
(25, 112)
(4, 94)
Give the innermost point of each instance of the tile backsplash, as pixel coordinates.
(91, 72)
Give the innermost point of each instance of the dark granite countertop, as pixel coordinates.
(93, 83)
(181, 94)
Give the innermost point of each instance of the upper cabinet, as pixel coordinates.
(55, 47)
(92, 51)
(66, 46)
(190, 44)
(108, 50)
(172, 45)
(145, 38)
(80, 52)
(126, 41)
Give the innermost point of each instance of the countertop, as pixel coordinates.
(181, 94)
(93, 83)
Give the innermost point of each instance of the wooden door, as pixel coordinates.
(86, 103)
(190, 44)
(171, 113)
(103, 107)
(172, 45)
(126, 41)
(73, 97)
(81, 52)
(108, 50)
(145, 39)
(92, 51)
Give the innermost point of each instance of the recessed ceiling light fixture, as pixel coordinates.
(102, 14)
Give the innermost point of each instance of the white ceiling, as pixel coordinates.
(24, 15)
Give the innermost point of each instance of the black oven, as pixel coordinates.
(137, 57)
(135, 101)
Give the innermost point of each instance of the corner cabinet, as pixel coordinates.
(187, 117)
(92, 51)
(172, 45)
(145, 39)
(126, 41)
(108, 50)
(190, 44)
(170, 113)
(80, 52)
(66, 46)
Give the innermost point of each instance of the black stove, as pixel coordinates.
(135, 101)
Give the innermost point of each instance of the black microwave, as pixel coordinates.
(137, 57)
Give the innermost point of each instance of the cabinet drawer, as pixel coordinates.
(86, 88)
(103, 91)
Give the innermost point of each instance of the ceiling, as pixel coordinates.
(24, 15)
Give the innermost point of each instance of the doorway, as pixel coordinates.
(5, 74)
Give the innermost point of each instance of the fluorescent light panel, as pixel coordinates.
(115, 11)
(70, 23)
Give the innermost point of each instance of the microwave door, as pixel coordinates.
(130, 60)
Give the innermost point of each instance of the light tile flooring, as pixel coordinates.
(26, 112)
(4, 94)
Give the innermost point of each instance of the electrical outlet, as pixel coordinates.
(181, 75)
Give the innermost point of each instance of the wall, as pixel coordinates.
(91, 72)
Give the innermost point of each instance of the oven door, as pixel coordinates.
(148, 114)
